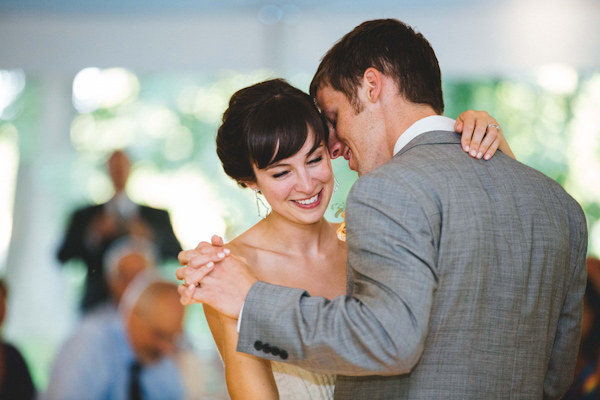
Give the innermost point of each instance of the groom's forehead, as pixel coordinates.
(328, 98)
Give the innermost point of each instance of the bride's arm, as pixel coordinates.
(247, 377)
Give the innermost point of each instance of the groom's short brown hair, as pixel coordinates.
(394, 49)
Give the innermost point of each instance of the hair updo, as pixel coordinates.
(265, 123)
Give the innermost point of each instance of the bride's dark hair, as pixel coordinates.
(265, 123)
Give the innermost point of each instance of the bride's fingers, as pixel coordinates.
(184, 256)
(486, 147)
(198, 261)
(492, 149)
(479, 132)
(216, 240)
(194, 259)
(186, 293)
(465, 127)
(196, 275)
(205, 247)
(180, 273)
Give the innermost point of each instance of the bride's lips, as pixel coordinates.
(311, 205)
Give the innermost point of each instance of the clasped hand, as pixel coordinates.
(214, 277)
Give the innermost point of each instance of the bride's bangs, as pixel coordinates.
(280, 130)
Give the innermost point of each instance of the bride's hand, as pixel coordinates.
(205, 254)
(481, 134)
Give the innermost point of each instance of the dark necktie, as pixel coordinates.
(135, 389)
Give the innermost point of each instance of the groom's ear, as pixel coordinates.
(372, 83)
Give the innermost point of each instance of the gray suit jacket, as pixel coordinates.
(468, 282)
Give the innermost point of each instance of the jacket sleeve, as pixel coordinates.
(74, 245)
(559, 375)
(169, 246)
(381, 329)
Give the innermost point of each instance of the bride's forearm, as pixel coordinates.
(247, 377)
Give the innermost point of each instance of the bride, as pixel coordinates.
(273, 141)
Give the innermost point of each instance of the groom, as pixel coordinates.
(467, 275)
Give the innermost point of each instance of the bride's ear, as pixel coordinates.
(250, 185)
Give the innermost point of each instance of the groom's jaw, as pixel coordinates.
(351, 161)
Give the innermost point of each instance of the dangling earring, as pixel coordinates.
(336, 185)
(259, 200)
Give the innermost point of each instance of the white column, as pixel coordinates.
(39, 314)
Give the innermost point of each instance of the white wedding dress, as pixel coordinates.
(294, 383)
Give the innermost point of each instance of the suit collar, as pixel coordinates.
(432, 137)
(427, 124)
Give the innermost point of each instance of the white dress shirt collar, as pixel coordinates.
(427, 124)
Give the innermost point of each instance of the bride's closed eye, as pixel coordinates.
(280, 174)
(316, 160)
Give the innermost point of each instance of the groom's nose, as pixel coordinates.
(335, 147)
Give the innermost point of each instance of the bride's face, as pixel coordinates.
(299, 188)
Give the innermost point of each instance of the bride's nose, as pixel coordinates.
(305, 183)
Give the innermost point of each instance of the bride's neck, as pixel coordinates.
(292, 237)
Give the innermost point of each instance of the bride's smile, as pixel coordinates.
(311, 202)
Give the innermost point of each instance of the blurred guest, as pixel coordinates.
(128, 356)
(123, 261)
(15, 380)
(92, 230)
(587, 370)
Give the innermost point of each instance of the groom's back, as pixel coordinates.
(511, 259)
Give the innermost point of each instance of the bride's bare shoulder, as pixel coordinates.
(246, 245)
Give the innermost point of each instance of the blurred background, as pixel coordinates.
(79, 79)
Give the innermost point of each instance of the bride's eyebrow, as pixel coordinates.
(280, 164)
(314, 151)
(275, 165)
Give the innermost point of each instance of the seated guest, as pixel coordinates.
(128, 356)
(15, 380)
(124, 260)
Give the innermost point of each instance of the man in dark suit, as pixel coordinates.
(93, 229)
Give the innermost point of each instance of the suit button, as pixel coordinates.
(275, 350)
(258, 345)
(283, 355)
(266, 348)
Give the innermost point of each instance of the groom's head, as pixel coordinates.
(393, 48)
(390, 50)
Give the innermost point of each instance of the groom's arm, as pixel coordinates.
(382, 328)
(561, 365)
